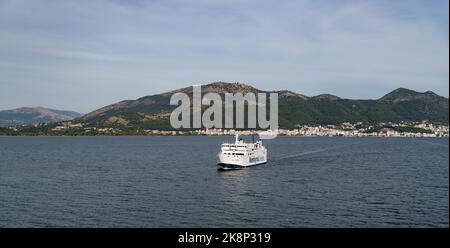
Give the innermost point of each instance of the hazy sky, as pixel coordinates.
(82, 55)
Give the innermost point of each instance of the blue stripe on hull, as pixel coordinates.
(235, 166)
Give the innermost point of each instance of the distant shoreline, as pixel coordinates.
(185, 135)
(346, 129)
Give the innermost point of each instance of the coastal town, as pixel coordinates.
(346, 129)
(350, 130)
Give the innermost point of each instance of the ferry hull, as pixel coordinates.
(227, 166)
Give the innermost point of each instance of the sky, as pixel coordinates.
(85, 54)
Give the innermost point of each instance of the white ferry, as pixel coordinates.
(240, 155)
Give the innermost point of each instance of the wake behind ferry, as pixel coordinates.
(239, 155)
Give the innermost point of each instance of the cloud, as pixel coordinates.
(83, 55)
(134, 48)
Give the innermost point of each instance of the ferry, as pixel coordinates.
(239, 154)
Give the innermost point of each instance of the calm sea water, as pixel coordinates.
(174, 182)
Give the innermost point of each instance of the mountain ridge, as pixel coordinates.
(403, 94)
(35, 115)
(402, 104)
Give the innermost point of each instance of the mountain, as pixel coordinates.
(26, 116)
(326, 97)
(294, 109)
(416, 105)
(406, 95)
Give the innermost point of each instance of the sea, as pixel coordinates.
(175, 182)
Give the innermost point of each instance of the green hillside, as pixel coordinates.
(153, 112)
